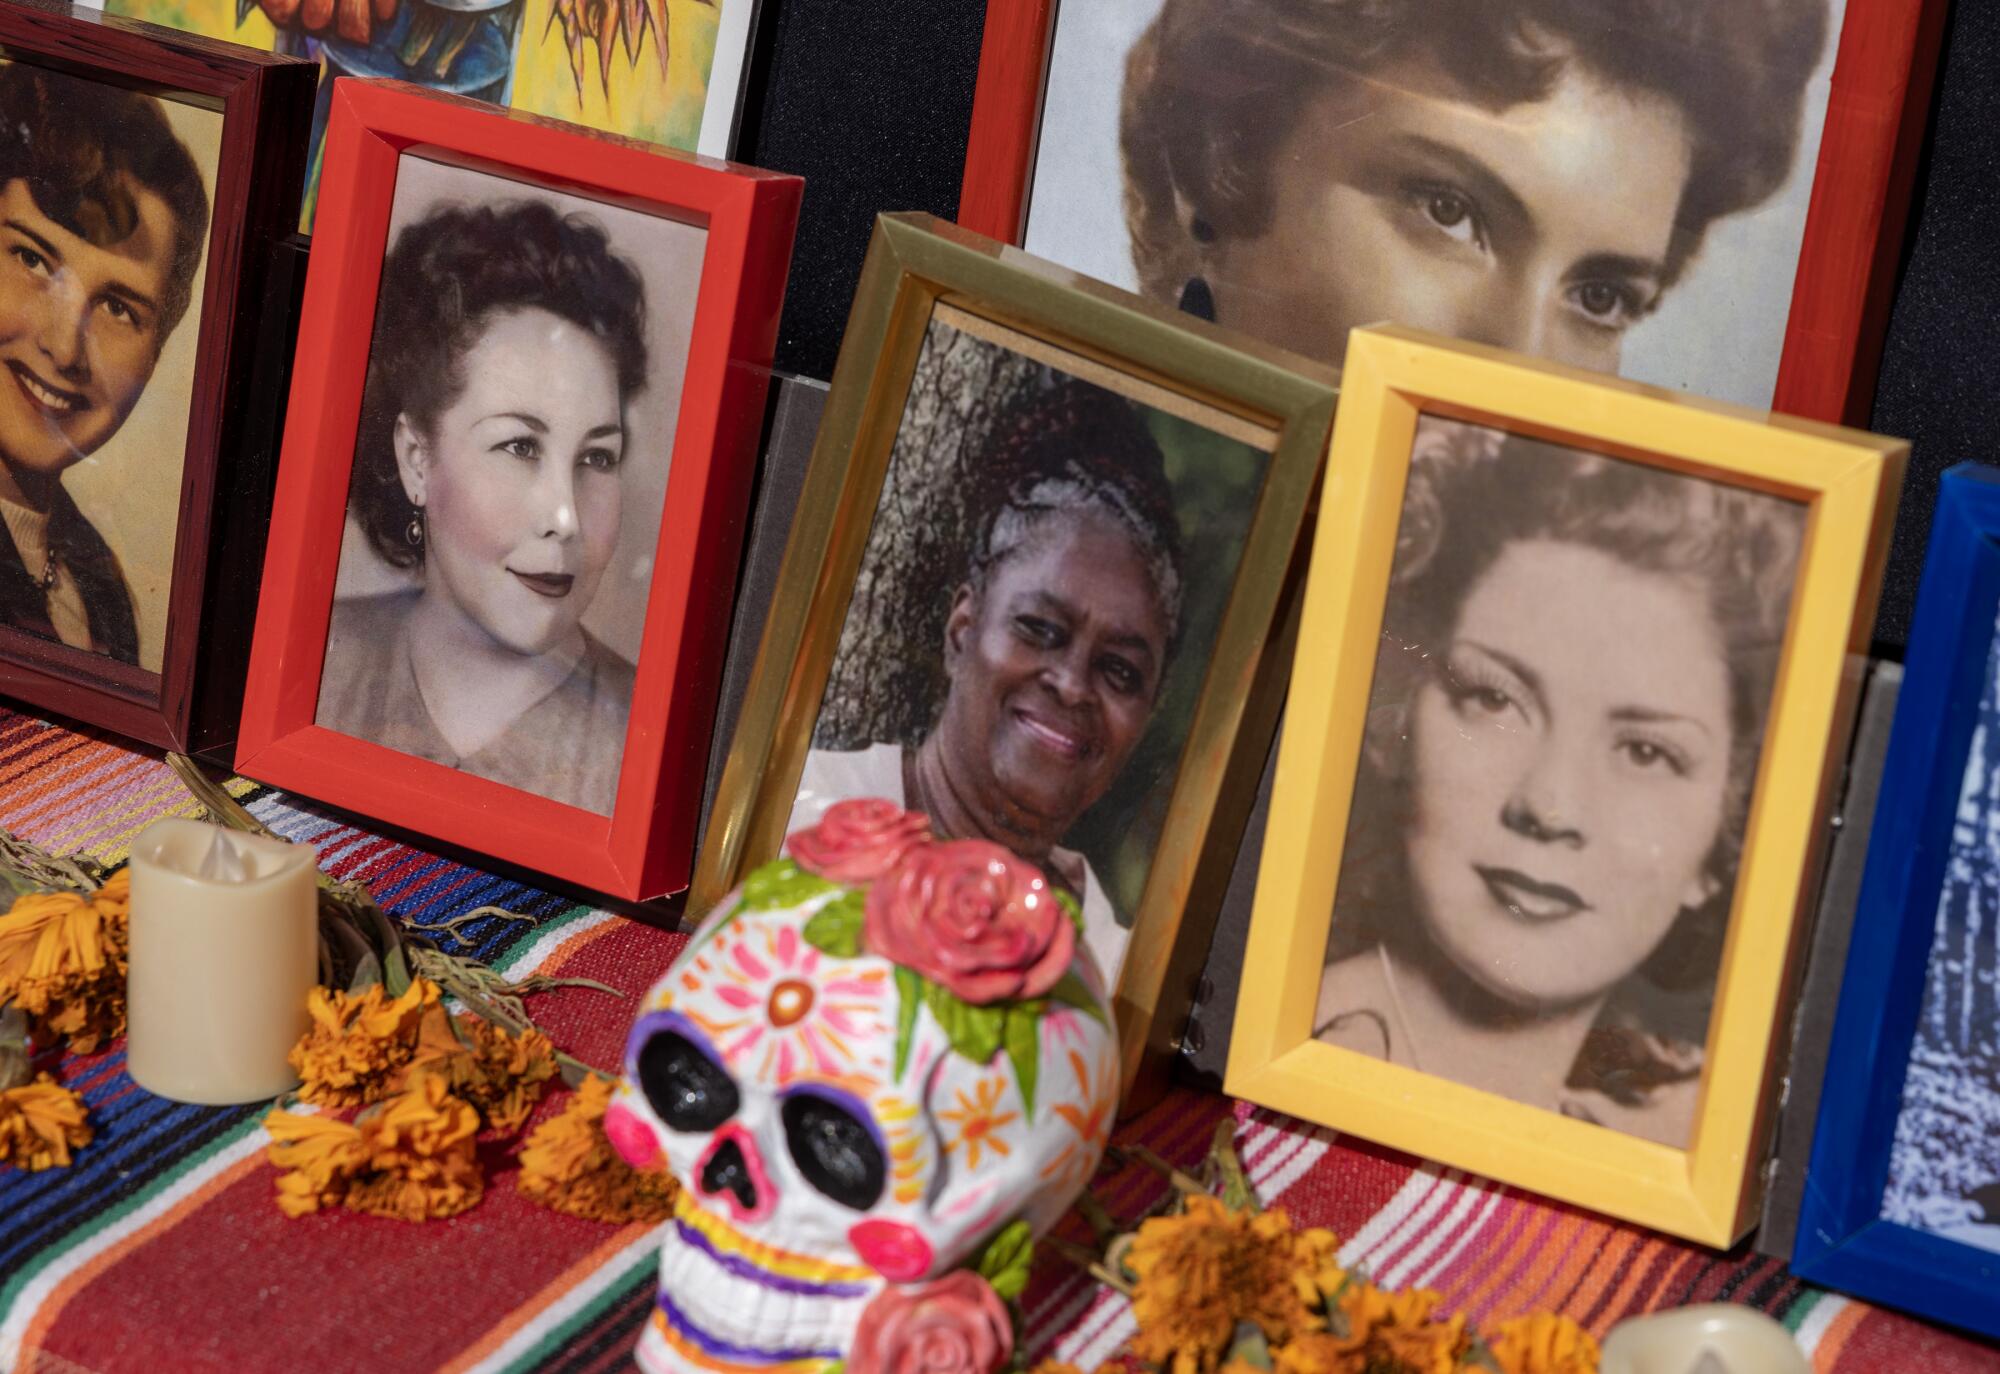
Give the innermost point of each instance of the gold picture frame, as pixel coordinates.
(1847, 482)
(919, 268)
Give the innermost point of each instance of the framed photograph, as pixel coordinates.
(1721, 215)
(1901, 1201)
(144, 179)
(1577, 671)
(523, 425)
(1035, 590)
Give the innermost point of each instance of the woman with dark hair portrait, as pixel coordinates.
(1060, 631)
(103, 225)
(1535, 174)
(1578, 655)
(508, 344)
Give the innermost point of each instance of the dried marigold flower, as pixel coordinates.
(419, 1155)
(62, 962)
(503, 1075)
(357, 1048)
(40, 1123)
(1380, 1332)
(1543, 1343)
(1206, 1270)
(319, 1155)
(569, 1165)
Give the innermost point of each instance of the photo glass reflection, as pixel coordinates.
(1944, 1167)
(1577, 660)
(1044, 578)
(104, 222)
(509, 473)
(1620, 187)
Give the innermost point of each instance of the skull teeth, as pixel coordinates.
(725, 1306)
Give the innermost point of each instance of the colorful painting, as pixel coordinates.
(666, 71)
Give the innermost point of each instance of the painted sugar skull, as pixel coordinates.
(868, 1062)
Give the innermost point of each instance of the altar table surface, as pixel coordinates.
(161, 1248)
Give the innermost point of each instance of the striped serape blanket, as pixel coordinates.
(160, 1248)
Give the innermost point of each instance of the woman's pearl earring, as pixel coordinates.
(414, 531)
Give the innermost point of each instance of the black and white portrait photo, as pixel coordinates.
(1944, 1167)
(510, 468)
(1620, 187)
(1577, 661)
(104, 221)
(1024, 649)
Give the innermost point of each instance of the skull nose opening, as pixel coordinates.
(727, 1171)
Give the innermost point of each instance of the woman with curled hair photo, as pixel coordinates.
(1578, 656)
(1534, 174)
(1063, 621)
(509, 343)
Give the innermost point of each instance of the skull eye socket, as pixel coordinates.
(835, 1150)
(684, 1085)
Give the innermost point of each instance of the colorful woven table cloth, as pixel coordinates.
(160, 1247)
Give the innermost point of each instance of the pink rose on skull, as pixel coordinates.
(858, 841)
(953, 1325)
(970, 916)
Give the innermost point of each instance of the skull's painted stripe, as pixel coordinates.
(769, 1258)
(713, 1352)
(744, 1269)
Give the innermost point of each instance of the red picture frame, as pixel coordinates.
(644, 848)
(193, 702)
(1862, 186)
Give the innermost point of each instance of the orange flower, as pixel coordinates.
(40, 1123)
(357, 1047)
(501, 1074)
(62, 961)
(319, 1154)
(1379, 1332)
(1203, 1272)
(569, 1165)
(420, 1154)
(410, 1158)
(1543, 1343)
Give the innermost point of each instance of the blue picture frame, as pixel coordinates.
(1843, 1241)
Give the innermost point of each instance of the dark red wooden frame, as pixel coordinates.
(1862, 186)
(644, 849)
(191, 704)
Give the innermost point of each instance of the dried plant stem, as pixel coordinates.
(1139, 1154)
(488, 993)
(1102, 1224)
(1086, 1261)
(457, 924)
(35, 867)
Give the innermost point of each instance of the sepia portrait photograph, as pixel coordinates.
(1576, 667)
(1618, 187)
(1944, 1165)
(104, 217)
(510, 468)
(1025, 645)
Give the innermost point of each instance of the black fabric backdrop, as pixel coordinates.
(871, 103)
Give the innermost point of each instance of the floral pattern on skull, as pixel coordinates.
(841, 1121)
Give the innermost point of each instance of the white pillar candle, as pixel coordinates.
(224, 949)
(1714, 1338)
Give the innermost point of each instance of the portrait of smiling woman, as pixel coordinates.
(1046, 573)
(1578, 655)
(104, 207)
(509, 471)
(1618, 186)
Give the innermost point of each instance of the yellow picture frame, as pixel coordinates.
(1849, 482)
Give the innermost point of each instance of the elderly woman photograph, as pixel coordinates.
(1578, 659)
(509, 343)
(1064, 619)
(1535, 174)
